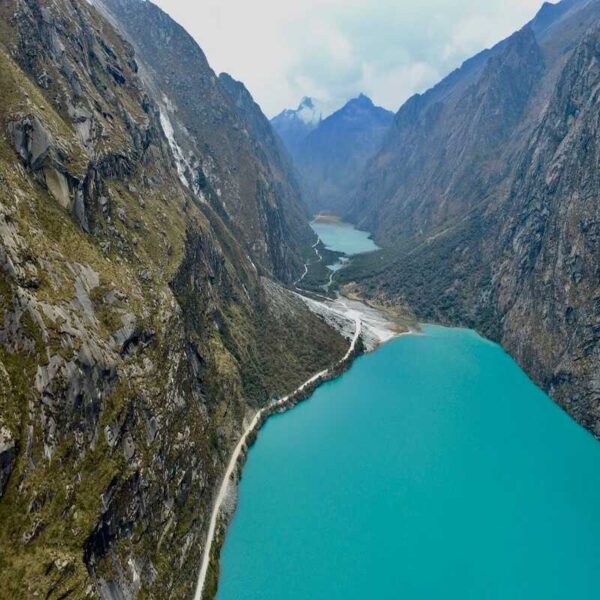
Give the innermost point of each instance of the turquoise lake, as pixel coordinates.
(432, 469)
(343, 237)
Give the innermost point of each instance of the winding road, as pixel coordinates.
(255, 425)
(307, 264)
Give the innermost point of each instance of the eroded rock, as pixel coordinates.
(8, 455)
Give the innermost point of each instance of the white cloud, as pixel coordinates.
(334, 49)
(397, 84)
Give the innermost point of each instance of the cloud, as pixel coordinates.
(334, 49)
(402, 81)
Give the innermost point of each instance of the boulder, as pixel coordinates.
(32, 142)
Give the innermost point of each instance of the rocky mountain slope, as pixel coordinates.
(485, 194)
(330, 158)
(253, 189)
(142, 318)
(290, 221)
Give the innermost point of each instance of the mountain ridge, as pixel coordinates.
(331, 155)
(482, 197)
(144, 317)
(244, 196)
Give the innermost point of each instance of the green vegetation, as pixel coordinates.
(141, 336)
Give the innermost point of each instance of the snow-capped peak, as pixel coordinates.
(310, 112)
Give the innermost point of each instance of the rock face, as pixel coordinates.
(7, 457)
(331, 156)
(236, 168)
(486, 194)
(141, 316)
(285, 223)
(445, 150)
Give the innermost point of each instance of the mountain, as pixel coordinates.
(450, 146)
(294, 125)
(147, 225)
(217, 149)
(485, 195)
(331, 157)
(268, 146)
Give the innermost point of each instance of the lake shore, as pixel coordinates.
(366, 327)
(328, 218)
(422, 453)
(224, 504)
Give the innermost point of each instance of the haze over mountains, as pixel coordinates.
(330, 154)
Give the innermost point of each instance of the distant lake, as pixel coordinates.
(344, 237)
(432, 469)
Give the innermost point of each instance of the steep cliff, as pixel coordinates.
(268, 147)
(492, 194)
(136, 332)
(444, 155)
(216, 145)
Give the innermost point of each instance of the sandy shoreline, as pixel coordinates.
(326, 218)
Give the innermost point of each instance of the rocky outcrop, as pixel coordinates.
(137, 332)
(39, 153)
(8, 455)
(31, 141)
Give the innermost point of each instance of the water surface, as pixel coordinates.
(344, 237)
(432, 469)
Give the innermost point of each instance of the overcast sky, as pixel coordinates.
(335, 49)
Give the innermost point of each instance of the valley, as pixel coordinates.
(180, 268)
